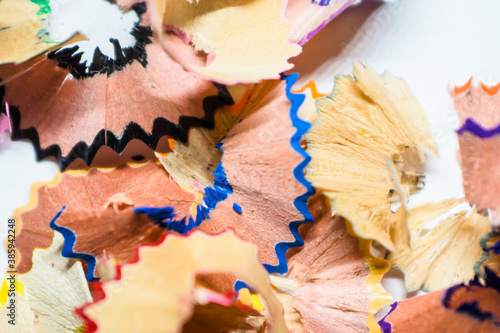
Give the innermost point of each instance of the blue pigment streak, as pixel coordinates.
(300, 202)
(69, 243)
(237, 208)
(220, 191)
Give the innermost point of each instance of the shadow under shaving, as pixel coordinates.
(331, 41)
(135, 151)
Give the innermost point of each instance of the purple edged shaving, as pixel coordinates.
(321, 2)
(474, 128)
(472, 309)
(494, 248)
(384, 325)
(322, 25)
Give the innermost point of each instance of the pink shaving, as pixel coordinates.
(7, 108)
(5, 124)
(197, 186)
(209, 296)
(183, 36)
(210, 58)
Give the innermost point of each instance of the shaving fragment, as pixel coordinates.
(367, 123)
(445, 255)
(23, 32)
(308, 110)
(473, 308)
(49, 293)
(162, 295)
(478, 108)
(479, 151)
(490, 259)
(200, 147)
(241, 52)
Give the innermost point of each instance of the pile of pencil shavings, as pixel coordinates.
(253, 205)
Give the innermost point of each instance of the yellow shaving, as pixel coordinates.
(380, 296)
(378, 267)
(445, 255)
(422, 214)
(4, 291)
(198, 200)
(365, 122)
(19, 31)
(249, 298)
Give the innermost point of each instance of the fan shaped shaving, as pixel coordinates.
(327, 276)
(161, 294)
(261, 144)
(100, 212)
(73, 109)
(366, 122)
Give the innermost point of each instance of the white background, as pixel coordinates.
(429, 43)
